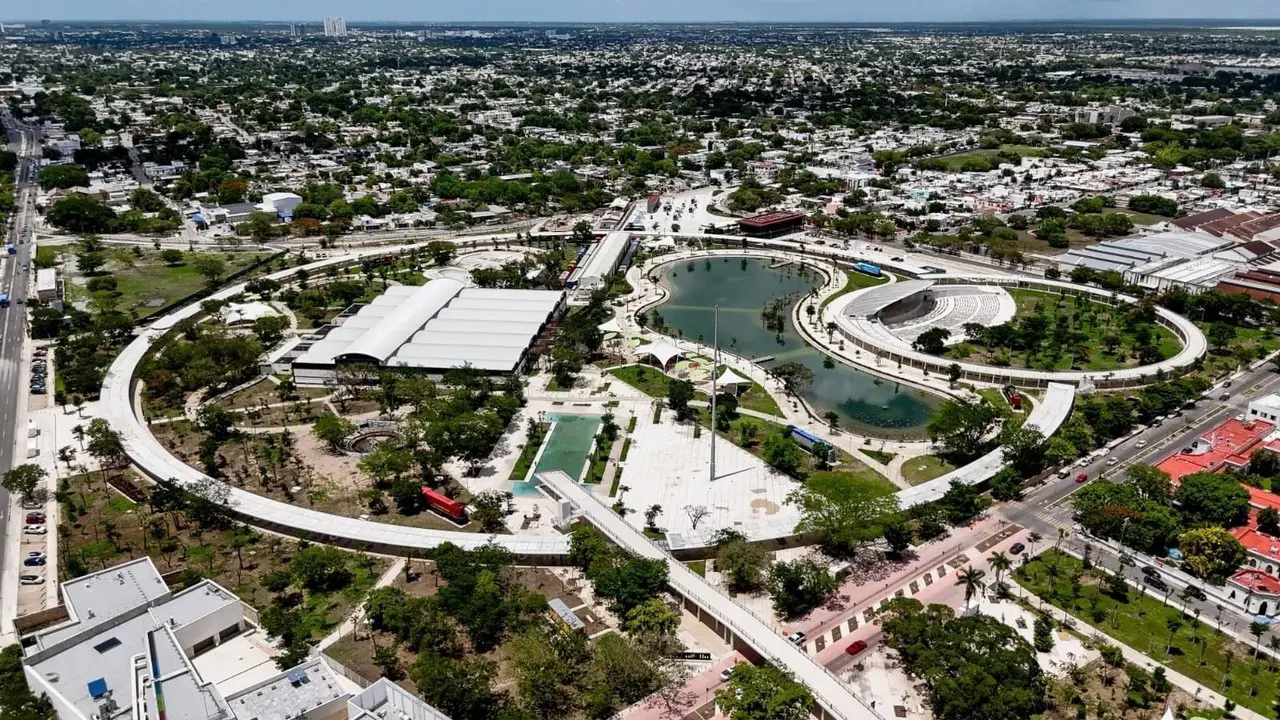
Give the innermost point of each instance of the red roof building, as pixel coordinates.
(772, 224)
(1229, 445)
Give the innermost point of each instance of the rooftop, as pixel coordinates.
(772, 219)
(1232, 442)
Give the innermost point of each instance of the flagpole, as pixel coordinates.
(715, 367)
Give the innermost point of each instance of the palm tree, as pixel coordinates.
(1034, 538)
(1257, 630)
(971, 580)
(1001, 564)
(1174, 624)
(1063, 534)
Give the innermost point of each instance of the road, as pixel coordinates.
(13, 280)
(1047, 509)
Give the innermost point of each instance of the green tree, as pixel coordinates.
(53, 177)
(800, 586)
(1211, 553)
(441, 251)
(462, 689)
(653, 622)
(954, 657)
(490, 509)
(24, 479)
(212, 267)
(744, 565)
(1151, 482)
(1209, 499)
(780, 452)
(794, 376)
(679, 394)
(844, 510)
(962, 426)
(333, 429)
(171, 256)
(320, 568)
(763, 693)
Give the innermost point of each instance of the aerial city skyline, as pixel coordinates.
(767, 360)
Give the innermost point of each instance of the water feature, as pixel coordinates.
(743, 287)
(565, 449)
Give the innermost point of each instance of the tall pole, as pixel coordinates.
(715, 367)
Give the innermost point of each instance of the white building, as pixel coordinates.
(602, 260)
(132, 648)
(280, 203)
(48, 289)
(433, 328)
(335, 27)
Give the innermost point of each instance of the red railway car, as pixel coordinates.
(445, 505)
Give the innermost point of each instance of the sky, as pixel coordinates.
(860, 11)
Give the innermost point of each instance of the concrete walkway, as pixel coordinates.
(348, 625)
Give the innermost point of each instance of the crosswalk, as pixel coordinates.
(1044, 515)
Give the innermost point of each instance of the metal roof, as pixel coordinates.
(872, 300)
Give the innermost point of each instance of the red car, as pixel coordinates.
(856, 647)
(1082, 477)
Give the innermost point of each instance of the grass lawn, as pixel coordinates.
(1140, 219)
(924, 468)
(759, 400)
(648, 380)
(146, 283)
(1095, 320)
(880, 456)
(1258, 341)
(955, 163)
(1195, 649)
(857, 281)
(748, 433)
(527, 455)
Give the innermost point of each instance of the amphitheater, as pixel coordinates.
(885, 321)
(905, 310)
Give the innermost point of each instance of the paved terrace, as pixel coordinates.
(835, 699)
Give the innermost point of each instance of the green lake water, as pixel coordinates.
(742, 287)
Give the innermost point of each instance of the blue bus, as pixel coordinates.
(867, 269)
(807, 440)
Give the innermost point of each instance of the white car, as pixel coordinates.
(35, 530)
(726, 673)
(796, 638)
(1140, 444)
(32, 579)
(1113, 461)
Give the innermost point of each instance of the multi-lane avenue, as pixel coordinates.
(14, 282)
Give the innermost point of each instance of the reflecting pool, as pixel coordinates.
(743, 287)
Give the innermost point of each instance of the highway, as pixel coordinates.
(13, 280)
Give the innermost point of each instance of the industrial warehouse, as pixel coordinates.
(433, 328)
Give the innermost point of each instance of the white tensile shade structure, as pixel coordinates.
(729, 377)
(612, 326)
(664, 351)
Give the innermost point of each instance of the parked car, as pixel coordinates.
(32, 505)
(1195, 591)
(856, 647)
(1150, 571)
(38, 390)
(1017, 548)
(796, 638)
(35, 518)
(35, 529)
(32, 579)
(725, 674)
(35, 561)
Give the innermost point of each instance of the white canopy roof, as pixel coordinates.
(611, 326)
(729, 377)
(662, 350)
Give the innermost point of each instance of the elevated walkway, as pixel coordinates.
(834, 698)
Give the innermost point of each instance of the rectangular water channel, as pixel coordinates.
(566, 448)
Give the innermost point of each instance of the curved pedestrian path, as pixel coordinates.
(882, 343)
(124, 415)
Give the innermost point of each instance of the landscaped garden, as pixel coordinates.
(1061, 332)
(1187, 643)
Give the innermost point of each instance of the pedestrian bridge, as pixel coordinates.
(736, 624)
